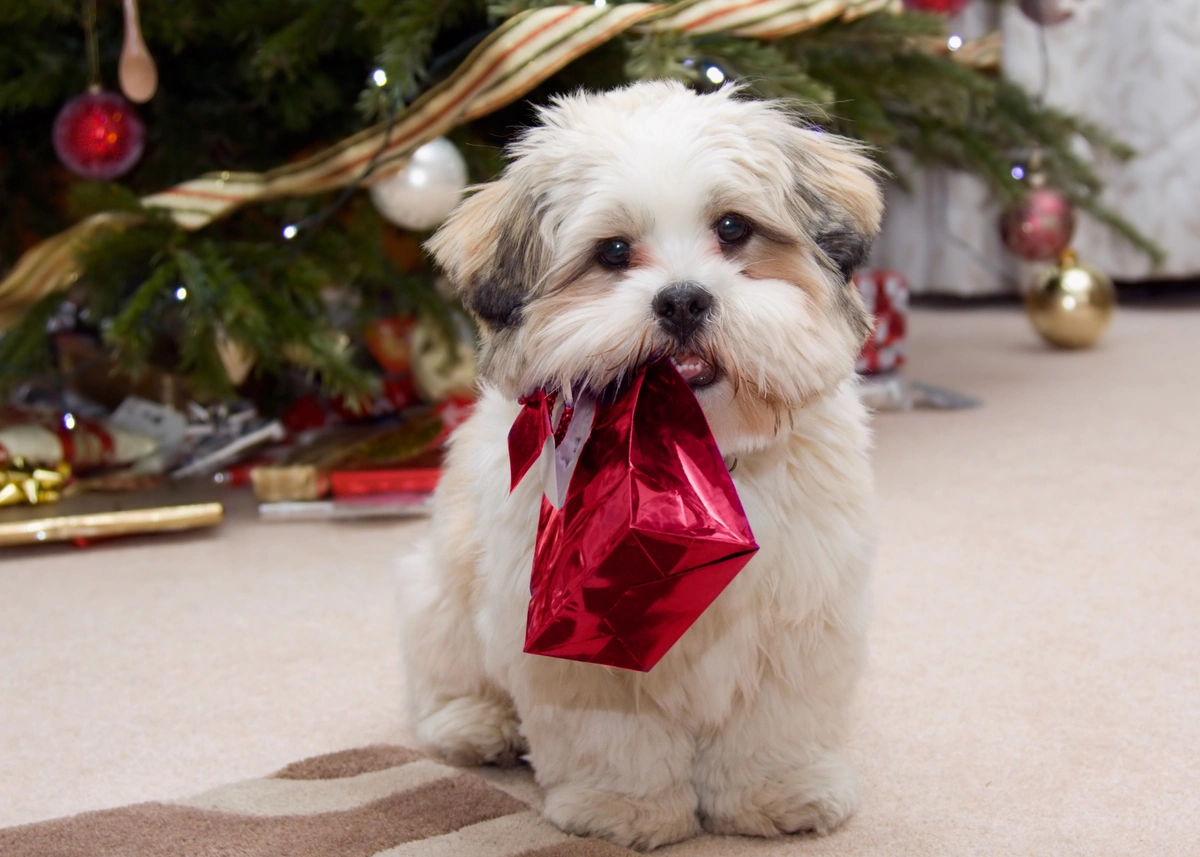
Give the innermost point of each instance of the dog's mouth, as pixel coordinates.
(694, 369)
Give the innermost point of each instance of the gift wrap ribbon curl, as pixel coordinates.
(521, 53)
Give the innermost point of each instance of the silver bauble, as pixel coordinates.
(423, 194)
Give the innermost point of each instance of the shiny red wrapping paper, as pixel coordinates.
(650, 533)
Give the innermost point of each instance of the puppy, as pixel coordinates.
(649, 222)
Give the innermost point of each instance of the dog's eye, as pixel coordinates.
(732, 229)
(615, 253)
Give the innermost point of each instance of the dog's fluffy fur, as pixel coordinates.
(737, 729)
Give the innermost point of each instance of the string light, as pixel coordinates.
(289, 232)
(600, 4)
(68, 421)
(380, 77)
(715, 75)
(181, 294)
(1018, 172)
(954, 42)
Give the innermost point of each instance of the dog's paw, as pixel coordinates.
(813, 798)
(641, 823)
(473, 730)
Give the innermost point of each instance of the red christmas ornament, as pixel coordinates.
(97, 135)
(938, 7)
(1040, 227)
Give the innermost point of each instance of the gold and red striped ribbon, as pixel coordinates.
(516, 57)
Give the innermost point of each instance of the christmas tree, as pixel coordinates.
(266, 97)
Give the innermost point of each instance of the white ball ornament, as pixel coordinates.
(423, 194)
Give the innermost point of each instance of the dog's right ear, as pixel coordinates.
(492, 250)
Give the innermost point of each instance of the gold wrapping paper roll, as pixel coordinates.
(171, 507)
(106, 525)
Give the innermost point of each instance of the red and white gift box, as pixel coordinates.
(885, 294)
(47, 439)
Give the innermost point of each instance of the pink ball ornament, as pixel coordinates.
(98, 135)
(938, 7)
(1040, 227)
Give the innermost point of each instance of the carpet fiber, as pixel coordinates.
(1034, 686)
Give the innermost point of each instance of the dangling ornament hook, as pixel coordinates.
(92, 44)
(136, 70)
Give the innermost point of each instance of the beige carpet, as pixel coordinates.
(1035, 685)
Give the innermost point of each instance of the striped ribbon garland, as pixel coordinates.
(524, 51)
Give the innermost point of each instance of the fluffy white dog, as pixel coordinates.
(649, 222)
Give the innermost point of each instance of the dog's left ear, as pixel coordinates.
(492, 250)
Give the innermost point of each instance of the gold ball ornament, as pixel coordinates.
(1071, 304)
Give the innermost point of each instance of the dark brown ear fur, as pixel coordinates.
(492, 251)
(839, 198)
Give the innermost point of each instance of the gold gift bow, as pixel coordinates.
(21, 483)
(521, 53)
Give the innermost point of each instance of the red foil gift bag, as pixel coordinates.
(650, 533)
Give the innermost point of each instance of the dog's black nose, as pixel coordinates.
(682, 308)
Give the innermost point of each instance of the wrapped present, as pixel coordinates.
(885, 294)
(354, 461)
(650, 531)
(48, 438)
(416, 477)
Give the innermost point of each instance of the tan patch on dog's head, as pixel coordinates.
(492, 251)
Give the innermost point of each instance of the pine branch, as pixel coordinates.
(769, 72)
(502, 10)
(301, 43)
(22, 13)
(407, 31)
(87, 198)
(661, 56)
(25, 350)
(1110, 218)
(135, 329)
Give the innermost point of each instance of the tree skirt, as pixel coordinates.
(356, 803)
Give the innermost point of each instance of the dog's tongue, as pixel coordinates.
(694, 369)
